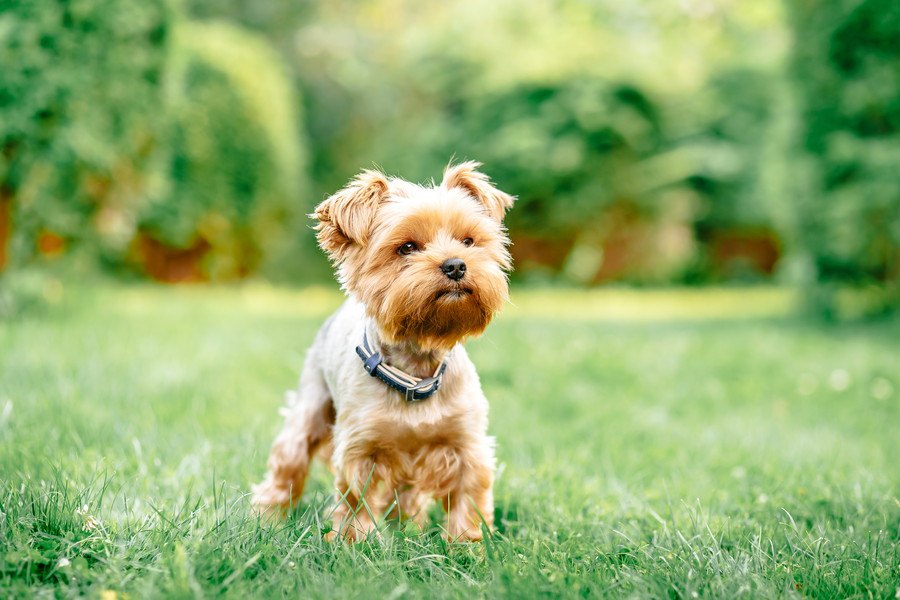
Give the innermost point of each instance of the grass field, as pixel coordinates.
(651, 444)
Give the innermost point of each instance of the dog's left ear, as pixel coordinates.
(346, 217)
(478, 185)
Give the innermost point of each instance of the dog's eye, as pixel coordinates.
(407, 248)
(468, 242)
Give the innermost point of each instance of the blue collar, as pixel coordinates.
(413, 389)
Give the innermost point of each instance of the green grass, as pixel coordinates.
(651, 444)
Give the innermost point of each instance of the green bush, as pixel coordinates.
(134, 137)
(846, 69)
(564, 149)
(80, 118)
(234, 161)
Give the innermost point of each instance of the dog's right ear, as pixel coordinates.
(345, 218)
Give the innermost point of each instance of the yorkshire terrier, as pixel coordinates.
(388, 395)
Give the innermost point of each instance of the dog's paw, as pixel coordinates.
(270, 500)
(473, 534)
(354, 533)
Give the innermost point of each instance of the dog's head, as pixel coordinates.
(429, 264)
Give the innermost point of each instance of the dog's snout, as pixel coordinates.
(454, 268)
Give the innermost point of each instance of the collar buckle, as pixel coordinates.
(371, 363)
(413, 388)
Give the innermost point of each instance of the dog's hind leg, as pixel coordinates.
(309, 416)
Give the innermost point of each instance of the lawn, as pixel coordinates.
(664, 444)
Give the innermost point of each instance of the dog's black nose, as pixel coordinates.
(454, 268)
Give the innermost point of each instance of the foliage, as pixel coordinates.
(688, 141)
(632, 133)
(80, 96)
(566, 149)
(847, 71)
(234, 157)
(121, 123)
(756, 462)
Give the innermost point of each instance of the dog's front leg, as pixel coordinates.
(471, 504)
(360, 501)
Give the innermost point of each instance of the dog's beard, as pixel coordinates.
(437, 315)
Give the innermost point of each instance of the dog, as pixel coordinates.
(387, 395)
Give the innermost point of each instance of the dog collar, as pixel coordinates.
(413, 389)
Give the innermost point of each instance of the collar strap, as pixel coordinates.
(413, 389)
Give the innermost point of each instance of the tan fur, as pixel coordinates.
(391, 457)
(343, 219)
(479, 186)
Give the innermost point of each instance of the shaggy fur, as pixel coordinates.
(384, 451)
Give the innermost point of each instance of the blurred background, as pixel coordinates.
(685, 142)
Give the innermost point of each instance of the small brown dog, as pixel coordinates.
(388, 395)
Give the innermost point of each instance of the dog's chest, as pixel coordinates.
(405, 450)
(427, 458)
(406, 433)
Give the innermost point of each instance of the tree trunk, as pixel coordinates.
(5, 224)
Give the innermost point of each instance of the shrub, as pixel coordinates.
(80, 97)
(233, 164)
(132, 136)
(846, 69)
